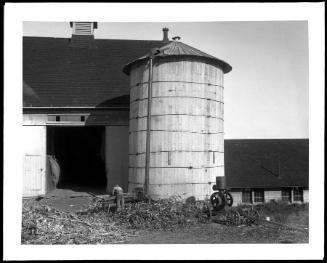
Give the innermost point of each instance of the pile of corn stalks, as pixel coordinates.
(42, 224)
(166, 214)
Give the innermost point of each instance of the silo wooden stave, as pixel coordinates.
(187, 140)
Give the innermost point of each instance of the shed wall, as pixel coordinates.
(273, 195)
(270, 194)
(237, 197)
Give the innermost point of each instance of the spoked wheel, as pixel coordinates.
(217, 200)
(233, 218)
(253, 216)
(229, 199)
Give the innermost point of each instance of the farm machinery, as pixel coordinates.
(220, 208)
(221, 197)
(222, 200)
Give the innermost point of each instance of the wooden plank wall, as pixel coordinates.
(187, 139)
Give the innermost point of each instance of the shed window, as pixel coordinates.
(287, 194)
(246, 196)
(258, 195)
(298, 195)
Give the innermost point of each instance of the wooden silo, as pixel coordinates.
(187, 120)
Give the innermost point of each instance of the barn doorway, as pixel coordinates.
(81, 157)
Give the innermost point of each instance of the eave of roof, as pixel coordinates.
(182, 50)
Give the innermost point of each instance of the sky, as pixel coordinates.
(266, 93)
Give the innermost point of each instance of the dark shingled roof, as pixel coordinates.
(176, 48)
(254, 163)
(78, 72)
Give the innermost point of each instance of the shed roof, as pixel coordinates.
(254, 163)
(179, 49)
(64, 72)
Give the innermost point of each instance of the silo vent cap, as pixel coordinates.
(176, 38)
(165, 34)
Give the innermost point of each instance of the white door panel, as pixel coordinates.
(33, 175)
(34, 160)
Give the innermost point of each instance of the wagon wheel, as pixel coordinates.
(228, 198)
(253, 216)
(243, 216)
(233, 218)
(217, 200)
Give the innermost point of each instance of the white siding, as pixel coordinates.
(237, 197)
(35, 119)
(305, 196)
(269, 195)
(273, 195)
(34, 181)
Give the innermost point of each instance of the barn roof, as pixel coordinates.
(79, 72)
(179, 49)
(254, 163)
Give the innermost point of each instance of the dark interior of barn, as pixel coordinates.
(80, 154)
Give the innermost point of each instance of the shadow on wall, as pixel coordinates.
(110, 112)
(113, 116)
(29, 94)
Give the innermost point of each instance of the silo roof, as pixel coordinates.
(177, 48)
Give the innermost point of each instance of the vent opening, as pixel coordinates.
(83, 28)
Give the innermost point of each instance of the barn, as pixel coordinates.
(76, 108)
(76, 112)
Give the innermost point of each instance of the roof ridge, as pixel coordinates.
(108, 39)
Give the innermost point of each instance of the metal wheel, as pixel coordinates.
(217, 200)
(228, 198)
(253, 216)
(233, 218)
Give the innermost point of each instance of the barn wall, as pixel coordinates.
(305, 196)
(34, 181)
(116, 145)
(116, 148)
(35, 119)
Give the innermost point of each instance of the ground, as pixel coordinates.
(288, 224)
(214, 233)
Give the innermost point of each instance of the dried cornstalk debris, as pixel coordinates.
(42, 224)
(165, 214)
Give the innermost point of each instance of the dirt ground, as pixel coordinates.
(209, 233)
(214, 233)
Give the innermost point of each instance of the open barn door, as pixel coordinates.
(79, 154)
